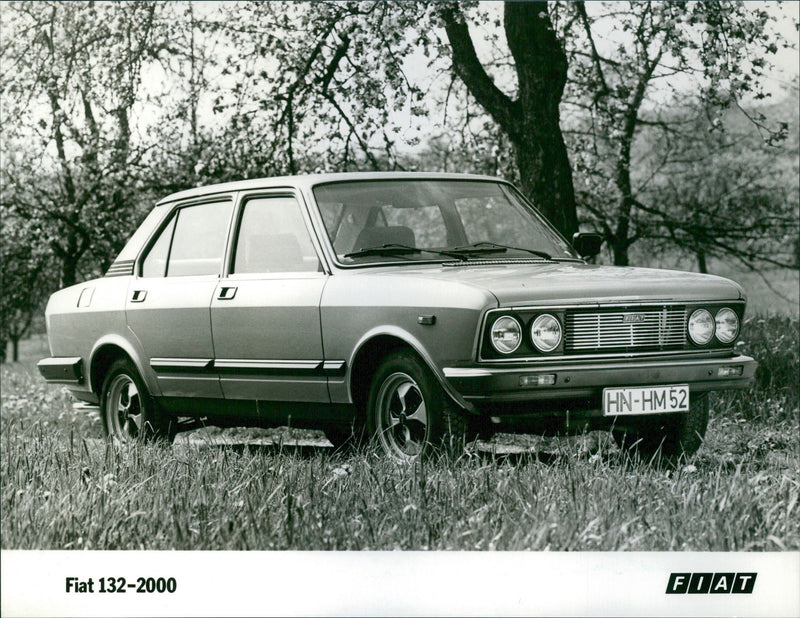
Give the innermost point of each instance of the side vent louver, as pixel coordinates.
(120, 269)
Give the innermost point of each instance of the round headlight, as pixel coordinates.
(727, 325)
(506, 334)
(701, 327)
(546, 333)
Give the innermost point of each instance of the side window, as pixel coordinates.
(155, 264)
(193, 243)
(198, 244)
(273, 238)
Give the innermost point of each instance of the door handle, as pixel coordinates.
(227, 293)
(138, 296)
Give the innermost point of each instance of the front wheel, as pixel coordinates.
(408, 412)
(672, 436)
(129, 412)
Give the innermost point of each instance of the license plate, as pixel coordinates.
(646, 400)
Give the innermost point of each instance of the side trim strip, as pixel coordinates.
(162, 364)
(333, 366)
(303, 365)
(259, 366)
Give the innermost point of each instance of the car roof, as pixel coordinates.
(309, 180)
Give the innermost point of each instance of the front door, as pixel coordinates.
(265, 314)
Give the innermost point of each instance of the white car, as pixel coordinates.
(424, 308)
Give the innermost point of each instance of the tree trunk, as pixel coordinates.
(532, 121)
(546, 178)
(621, 241)
(702, 266)
(15, 349)
(69, 271)
(541, 153)
(3, 347)
(620, 245)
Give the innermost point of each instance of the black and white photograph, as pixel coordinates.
(377, 308)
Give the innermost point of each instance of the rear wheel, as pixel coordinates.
(129, 412)
(672, 436)
(408, 413)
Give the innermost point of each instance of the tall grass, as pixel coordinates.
(61, 494)
(775, 342)
(63, 487)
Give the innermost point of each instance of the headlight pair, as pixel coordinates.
(703, 326)
(506, 334)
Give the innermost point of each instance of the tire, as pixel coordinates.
(408, 413)
(129, 412)
(670, 437)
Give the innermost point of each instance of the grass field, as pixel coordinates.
(65, 487)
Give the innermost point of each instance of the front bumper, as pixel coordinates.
(484, 385)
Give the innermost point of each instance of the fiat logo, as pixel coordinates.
(633, 318)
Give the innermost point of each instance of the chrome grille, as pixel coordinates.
(657, 328)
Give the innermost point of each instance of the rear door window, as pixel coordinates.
(192, 243)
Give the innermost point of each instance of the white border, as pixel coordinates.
(228, 583)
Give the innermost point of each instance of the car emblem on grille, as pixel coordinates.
(633, 318)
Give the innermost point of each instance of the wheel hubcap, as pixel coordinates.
(402, 416)
(124, 408)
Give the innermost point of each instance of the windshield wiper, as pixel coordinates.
(388, 249)
(485, 246)
(398, 249)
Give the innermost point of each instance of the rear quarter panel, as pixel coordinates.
(79, 331)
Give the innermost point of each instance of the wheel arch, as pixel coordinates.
(377, 344)
(105, 352)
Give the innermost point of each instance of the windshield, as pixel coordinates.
(424, 220)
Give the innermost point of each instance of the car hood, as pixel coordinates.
(525, 283)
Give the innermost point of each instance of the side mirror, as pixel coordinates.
(587, 244)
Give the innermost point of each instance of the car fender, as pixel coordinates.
(410, 340)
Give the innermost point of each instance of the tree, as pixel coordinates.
(70, 83)
(314, 85)
(717, 189)
(338, 76)
(186, 147)
(531, 121)
(26, 279)
(718, 50)
(238, 90)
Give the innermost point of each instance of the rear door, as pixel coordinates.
(168, 305)
(265, 314)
